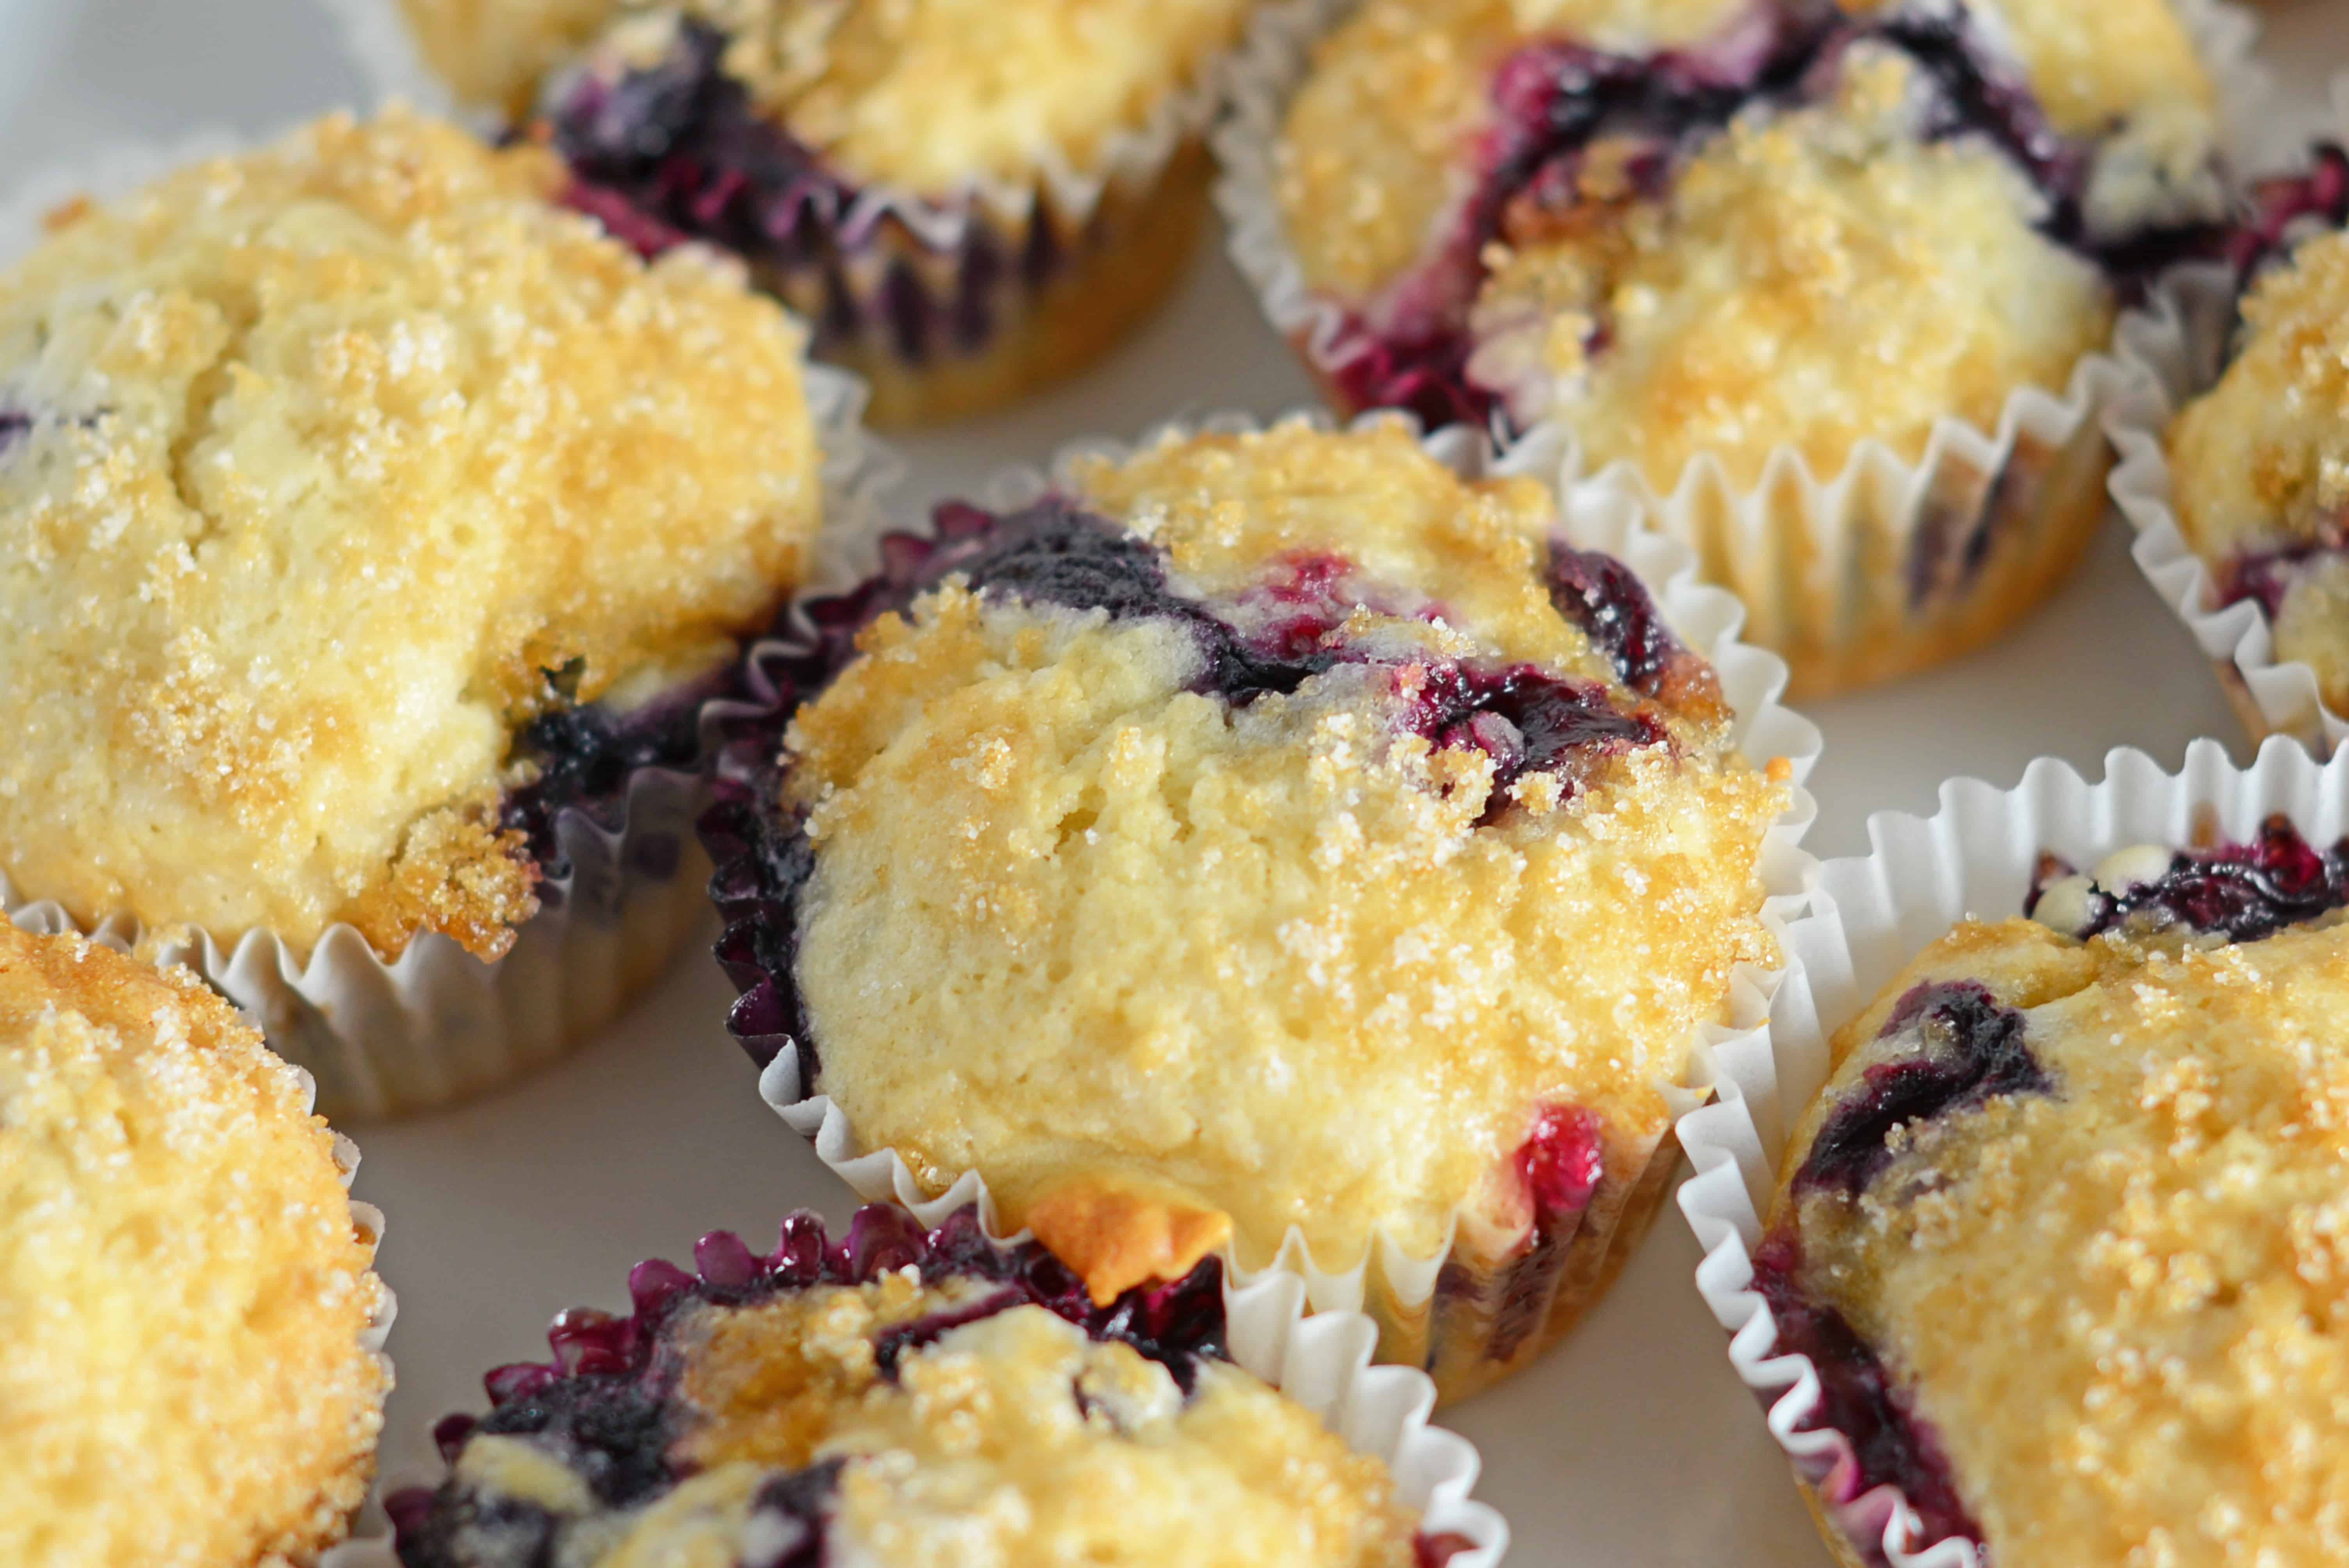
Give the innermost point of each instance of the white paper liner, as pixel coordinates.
(2175, 349)
(1705, 618)
(1323, 1361)
(381, 1039)
(1870, 917)
(1821, 564)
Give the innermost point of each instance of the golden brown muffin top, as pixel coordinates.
(929, 95)
(2121, 1299)
(1013, 1439)
(327, 460)
(182, 1284)
(1161, 964)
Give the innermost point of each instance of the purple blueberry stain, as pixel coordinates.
(1526, 720)
(1859, 1398)
(677, 149)
(1561, 1163)
(2243, 893)
(1605, 601)
(2281, 208)
(605, 1404)
(1973, 1051)
(1555, 100)
(1053, 552)
(585, 755)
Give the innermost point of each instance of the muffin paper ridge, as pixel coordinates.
(2174, 348)
(1321, 1360)
(381, 1039)
(1708, 618)
(380, 44)
(1821, 561)
(951, 247)
(1868, 916)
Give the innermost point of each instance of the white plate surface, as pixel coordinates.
(1631, 1446)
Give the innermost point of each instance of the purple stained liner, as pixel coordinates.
(1554, 99)
(677, 151)
(1971, 1049)
(605, 1402)
(1861, 1400)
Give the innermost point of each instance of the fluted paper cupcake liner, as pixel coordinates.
(1323, 1361)
(1882, 568)
(2175, 349)
(1453, 1332)
(947, 302)
(621, 896)
(1869, 915)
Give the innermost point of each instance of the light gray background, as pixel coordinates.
(1632, 1445)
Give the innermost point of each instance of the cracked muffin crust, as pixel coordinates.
(1569, 210)
(967, 198)
(183, 1285)
(2062, 1234)
(901, 1400)
(1268, 833)
(355, 498)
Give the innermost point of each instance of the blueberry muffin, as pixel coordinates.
(969, 198)
(364, 508)
(2256, 461)
(494, 54)
(1703, 234)
(183, 1285)
(1262, 835)
(899, 1398)
(2062, 1236)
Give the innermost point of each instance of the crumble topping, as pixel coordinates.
(1814, 278)
(2260, 462)
(932, 94)
(1010, 1438)
(2121, 1305)
(183, 1288)
(1080, 918)
(323, 469)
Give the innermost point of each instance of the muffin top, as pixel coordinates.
(2065, 1230)
(1816, 277)
(962, 1406)
(183, 1285)
(1723, 227)
(1268, 831)
(931, 95)
(2260, 462)
(495, 54)
(326, 469)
